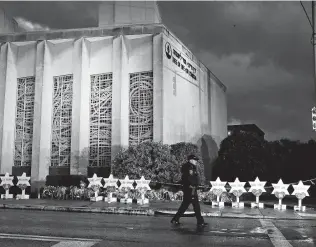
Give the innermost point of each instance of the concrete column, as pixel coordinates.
(125, 94)
(116, 96)
(9, 111)
(3, 72)
(84, 121)
(39, 72)
(46, 105)
(76, 98)
(209, 102)
(158, 87)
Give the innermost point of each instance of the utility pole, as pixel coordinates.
(314, 45)
(314, 62)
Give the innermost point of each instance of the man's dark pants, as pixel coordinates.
(187, 200)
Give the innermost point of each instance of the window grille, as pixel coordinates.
(24, 121)
(141, 108)
(100, 120)
(61, 121)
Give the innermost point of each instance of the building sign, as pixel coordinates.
(179, 60)
(314, 118)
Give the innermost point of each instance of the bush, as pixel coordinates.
(182, 150)
(156, 161)
(152, 160)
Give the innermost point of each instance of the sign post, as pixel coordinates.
(280, 190)
(143, 186)
(111, 186)
(126, 185)
(300, 191)
(237, 188)
(218, 187)
(6, 183)
(257, 187)
(23, 183)
(95, 184)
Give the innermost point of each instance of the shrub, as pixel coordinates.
(152, 160)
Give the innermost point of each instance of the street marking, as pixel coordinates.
(46, 238)
(275, 235)
(74, 244)
(306, 214)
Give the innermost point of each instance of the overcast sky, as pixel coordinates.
(260, 50)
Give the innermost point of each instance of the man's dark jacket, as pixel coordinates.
(189, 177)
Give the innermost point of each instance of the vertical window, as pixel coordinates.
(141, 108)
(24, 121)
(61, 121)
(100, 120)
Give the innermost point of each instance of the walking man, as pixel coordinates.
(190, 182)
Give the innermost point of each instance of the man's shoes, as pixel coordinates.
(175, 222)
(201, 225)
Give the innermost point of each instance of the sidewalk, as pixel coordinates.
(159, 208)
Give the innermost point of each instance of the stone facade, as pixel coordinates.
(69, 100)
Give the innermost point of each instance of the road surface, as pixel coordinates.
(21, 228)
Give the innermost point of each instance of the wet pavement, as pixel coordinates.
(59, 229)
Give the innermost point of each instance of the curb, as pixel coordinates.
(105, 210)
(146, 212)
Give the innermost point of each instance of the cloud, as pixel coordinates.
(29, 25)
(234, 121)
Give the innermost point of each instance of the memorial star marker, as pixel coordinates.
(280, 190)
(126, 185)
(23, 183)
(111, 186)
(143, 186)
(6, 183)
(237, 188)
(218, 187)
(95, 184)
(300, 191)
(257, 187)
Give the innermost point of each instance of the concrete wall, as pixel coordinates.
(7, 24)
(218, 111)
(185, 109)
(82, 57)
(194, 110)
(128, 12)
(181, 99)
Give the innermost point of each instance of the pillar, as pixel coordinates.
(3, 72)
(42, 128)
(8, 129)
(158, 87)
(124, 97)
(116, 96)
(80, 109)
(36, 149)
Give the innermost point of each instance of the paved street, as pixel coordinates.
(59, 229)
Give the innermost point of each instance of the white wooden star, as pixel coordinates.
(23, 180)
(110, 181)
(257, 185)
(218, 185)
(301, 188)
(142, 183)
(6, 180)
(280, 187)
(95, 181)
(127, 183)
(237, 186)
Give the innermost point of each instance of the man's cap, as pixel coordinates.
(192, 157)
